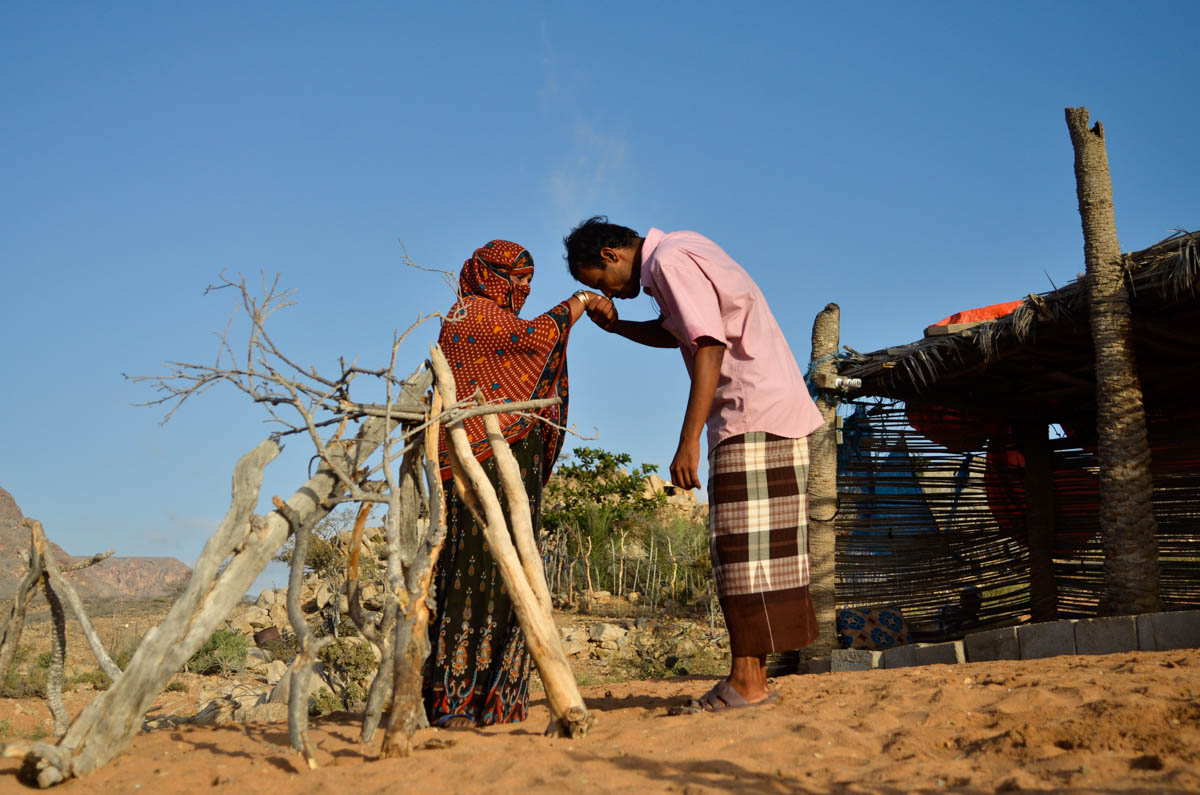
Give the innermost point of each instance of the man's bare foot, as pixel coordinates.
(723, 696)
(748, 676)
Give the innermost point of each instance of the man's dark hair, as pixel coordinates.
(585, 241)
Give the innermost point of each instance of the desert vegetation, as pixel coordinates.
(611, 535)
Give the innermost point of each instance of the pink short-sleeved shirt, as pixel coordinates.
(702, 292)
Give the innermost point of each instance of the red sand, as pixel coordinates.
(1125, 722)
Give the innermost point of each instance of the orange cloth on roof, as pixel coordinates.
(981, 314)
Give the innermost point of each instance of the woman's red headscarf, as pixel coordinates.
(508, 359)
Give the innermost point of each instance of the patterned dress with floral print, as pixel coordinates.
(479, 665)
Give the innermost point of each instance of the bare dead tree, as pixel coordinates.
(359, 468)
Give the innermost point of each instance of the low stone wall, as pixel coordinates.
(1111, 635)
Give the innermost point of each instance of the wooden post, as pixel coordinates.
(1039, 519)
(822, 485)
(1127, 526)
(569, 716)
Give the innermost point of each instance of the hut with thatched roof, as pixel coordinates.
(968, 461)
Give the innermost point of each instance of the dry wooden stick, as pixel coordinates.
(407, 709)
(404, 412)
(309, 647)
(43, 569)
(14, 623)
(391, 635)
(58, 656)
(353, 599)
(92, 561)
(381, 685)
(518, 512)
(569, 715)
(63, 588)
(410, 519)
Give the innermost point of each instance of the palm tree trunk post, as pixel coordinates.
(1127, 526)
(822, 483)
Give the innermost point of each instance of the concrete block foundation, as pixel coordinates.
(950, 653)
(853, 660)
(1179, 629)
(1047, 639)
(818, 665)
(994, 644)
(900, 656)
(1106, 635)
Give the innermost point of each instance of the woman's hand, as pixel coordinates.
(601, 311)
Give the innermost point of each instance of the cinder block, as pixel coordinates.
(993, 644)
(1179, 629)
(899, 656)
(818, 665)
(1047, 639)
(940, 653)
(853, 660)
(1106, 635)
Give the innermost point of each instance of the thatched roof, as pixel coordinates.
(1037, 362)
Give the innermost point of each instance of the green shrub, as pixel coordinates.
(283, 649)
(349, 665)
(31, 684)
(223, 653)
(122, 659)
(95, 677)
(323, 702)
(176, 686)
(44, 659)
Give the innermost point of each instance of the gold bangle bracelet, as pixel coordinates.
(582, 296)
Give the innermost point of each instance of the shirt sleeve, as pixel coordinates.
(687, 298)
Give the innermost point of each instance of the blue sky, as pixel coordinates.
(904, 160)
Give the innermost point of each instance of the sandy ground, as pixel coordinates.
(1126, 722)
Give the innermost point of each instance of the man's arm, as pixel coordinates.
(706, 371)
(644, 332)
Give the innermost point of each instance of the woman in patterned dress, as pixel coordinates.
(478, 671)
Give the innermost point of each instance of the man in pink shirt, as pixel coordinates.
(748, 390)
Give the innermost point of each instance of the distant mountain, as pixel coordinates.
(115, 577)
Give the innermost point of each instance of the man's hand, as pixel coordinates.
(685, 466)
(602, 312)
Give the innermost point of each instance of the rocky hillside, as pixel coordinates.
(116, 577)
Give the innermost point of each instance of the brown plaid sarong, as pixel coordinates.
(758, 535)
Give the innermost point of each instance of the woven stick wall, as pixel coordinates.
(917, 524)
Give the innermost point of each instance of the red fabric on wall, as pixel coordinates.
(957, 430)
(1171, 447)
(1076, 498)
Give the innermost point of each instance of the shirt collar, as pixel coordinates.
(649, 244)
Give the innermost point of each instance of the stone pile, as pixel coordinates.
(680, 502)
(270, 610)
(676, 646)
(261, 692)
